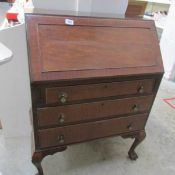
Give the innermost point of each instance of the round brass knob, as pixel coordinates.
(130, 127)
(135, 108)
(63, 97)
(141, 89)
(61, 139)
(61, 118)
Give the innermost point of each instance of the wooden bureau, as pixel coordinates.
(91, 77)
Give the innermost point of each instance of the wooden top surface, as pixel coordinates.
(72, 47)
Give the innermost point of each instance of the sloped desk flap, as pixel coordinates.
(91, 47)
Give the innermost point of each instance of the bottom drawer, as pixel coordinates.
(92, 130)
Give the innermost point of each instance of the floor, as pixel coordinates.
(105, 156)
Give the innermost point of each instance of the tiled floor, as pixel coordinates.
(105, 156)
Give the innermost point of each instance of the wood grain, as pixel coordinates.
(136, 8)
(83, 92)
(71, 48)
(92, 111)
(92, 48)
(91, 130)
(95, 79)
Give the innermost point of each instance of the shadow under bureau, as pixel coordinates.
(91, 77)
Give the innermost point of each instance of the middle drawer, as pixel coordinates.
(60, 115)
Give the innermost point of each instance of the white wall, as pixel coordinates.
(3, 8)
(84, 5)
(15, 98)
(167, 45)
(102, 6)
(109, 6)
(56, 4)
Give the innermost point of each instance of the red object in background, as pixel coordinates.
(167, 101)
(12, 16)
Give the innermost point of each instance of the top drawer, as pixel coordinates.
(81, 92)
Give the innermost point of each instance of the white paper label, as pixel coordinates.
(69, 22)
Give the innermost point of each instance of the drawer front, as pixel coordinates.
(91, 111)
(82, 92)
(88, 131)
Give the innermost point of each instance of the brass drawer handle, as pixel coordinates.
(61, 118)
(135, 108)
(130, 127)
(61, 139)
(141, 89)
(63, 97)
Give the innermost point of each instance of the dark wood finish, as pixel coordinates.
(85, 45)
(39, 155)
(88, 54)
(139, 137)
(95, 79)
(92, 130)
(81, 92)
(92, 111)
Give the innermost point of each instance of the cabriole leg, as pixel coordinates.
(139, 137)
(39, 155)
(36, 160)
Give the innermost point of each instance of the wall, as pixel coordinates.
(56, 4)
(167, 45)
(3, 8)
(109, 6)
(102, 6)
(15, 102)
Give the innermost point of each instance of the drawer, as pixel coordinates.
(82, 92)
(92, 130)
(92, 111)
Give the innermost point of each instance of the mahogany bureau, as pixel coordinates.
(91, 77)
